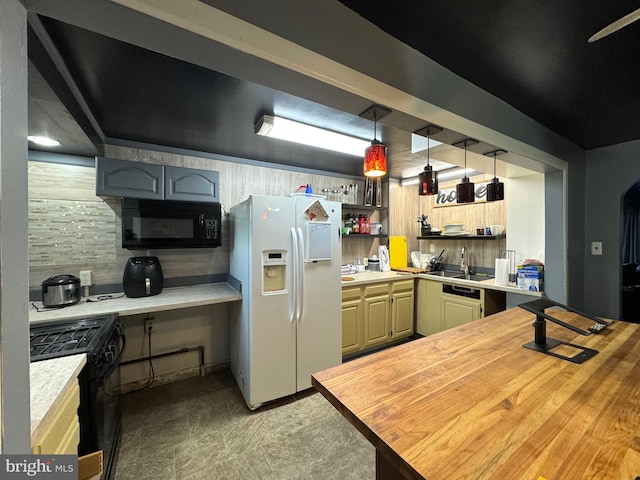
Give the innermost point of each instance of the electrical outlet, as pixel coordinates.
(86, 278)
(148, 324)
(432, 248)
(596, 248)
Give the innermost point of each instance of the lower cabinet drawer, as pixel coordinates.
(376, 290)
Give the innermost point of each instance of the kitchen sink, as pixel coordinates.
(445, 273)
(477, 278)
(458, 274)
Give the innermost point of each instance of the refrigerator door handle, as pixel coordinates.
(300, 268)
(294, 276)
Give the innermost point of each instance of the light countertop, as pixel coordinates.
(50, 381)
(374, 277)
(366, 277)
(170, 299)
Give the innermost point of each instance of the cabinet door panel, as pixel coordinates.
(428, 308)
(120, 178)
(376, 320)
(351, 326)
(458, 311)
(189, 184)
(402, 314)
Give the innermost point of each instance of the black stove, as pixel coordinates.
(102, 339)
(69, 337)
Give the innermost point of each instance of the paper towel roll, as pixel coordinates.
(502, 271)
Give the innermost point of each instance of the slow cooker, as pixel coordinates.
(60, 291)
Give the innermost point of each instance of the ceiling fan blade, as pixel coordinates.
(617, 25)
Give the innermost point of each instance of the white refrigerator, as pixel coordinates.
(288, 324)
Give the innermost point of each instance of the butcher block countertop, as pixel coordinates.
(472, 403)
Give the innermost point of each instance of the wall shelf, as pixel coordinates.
(348, 206)
(462, 237)
(364, 235)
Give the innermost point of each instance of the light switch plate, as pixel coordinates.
(596, 248)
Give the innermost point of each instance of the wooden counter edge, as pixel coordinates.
(389, 457)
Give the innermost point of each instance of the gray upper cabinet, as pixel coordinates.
(122, 178)
(190, 184)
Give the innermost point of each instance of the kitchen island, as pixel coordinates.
(472, 403)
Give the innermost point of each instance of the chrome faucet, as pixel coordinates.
(464, 264)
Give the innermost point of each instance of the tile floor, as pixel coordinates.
(200, 428)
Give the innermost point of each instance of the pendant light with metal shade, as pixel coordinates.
(495, 188)
(428, 178)
(375, 156)
(465, 190)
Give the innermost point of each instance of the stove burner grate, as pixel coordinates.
(67, 337)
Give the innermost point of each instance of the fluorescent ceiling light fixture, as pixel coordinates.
(285, 129)
(409, 181)
(419, 143)
(442, 175)
(44, 141)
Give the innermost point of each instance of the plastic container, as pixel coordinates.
(374, 264)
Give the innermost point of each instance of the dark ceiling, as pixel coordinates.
(532, 55)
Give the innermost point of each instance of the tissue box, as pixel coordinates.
(530, 277)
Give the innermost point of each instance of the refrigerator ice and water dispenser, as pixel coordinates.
(274, 271)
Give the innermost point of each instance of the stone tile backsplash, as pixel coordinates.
(84, 231)
(71, 229)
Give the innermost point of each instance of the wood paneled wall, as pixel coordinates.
(406, 205)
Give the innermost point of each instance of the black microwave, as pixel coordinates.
(170, 224)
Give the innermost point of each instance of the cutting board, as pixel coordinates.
(397, 252)
(410, 269)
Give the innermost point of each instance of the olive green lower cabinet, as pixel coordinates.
(376, 314)
(62, 434)
(442, 305)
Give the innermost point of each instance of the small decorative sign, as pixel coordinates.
(447, 196)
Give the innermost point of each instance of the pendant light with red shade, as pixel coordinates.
(375, 156)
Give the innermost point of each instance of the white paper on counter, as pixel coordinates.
(502, 271)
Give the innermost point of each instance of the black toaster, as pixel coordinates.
(142, 277)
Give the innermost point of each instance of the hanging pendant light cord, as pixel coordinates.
(375, 130)
(428, 144)
(494, 164)
(465, 159)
